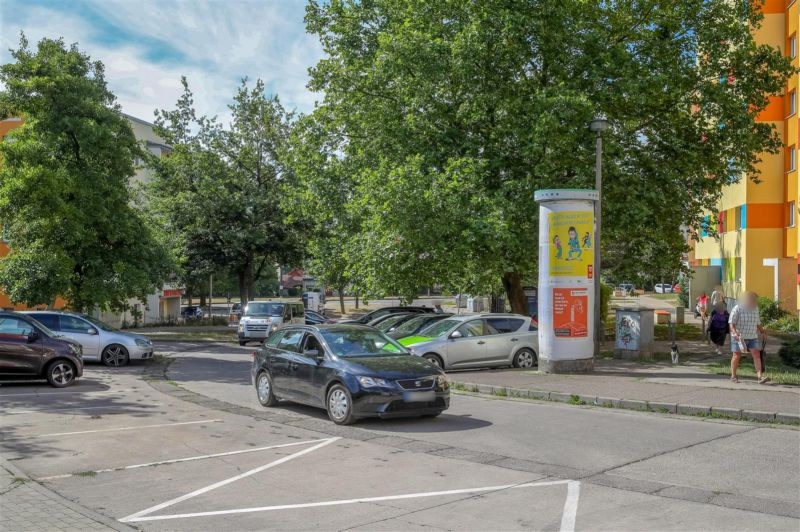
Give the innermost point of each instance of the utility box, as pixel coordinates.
(679, 319)
(475, 304)
(634, 333)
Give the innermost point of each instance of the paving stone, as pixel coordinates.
(538, 394)
(608, 401)
(485, 388)
(560, 397)
(787, 418)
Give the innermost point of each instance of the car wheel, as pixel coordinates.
(115, 355)
(264, 390)
(340, 405)
(434, 359)
(525, 358)
(60, 373)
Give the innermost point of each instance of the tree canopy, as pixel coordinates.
(65, 192)
(450, 114)
(218, 194)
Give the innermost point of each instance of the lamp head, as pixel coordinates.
(598, 125)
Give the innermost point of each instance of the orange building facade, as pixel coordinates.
(757, 244)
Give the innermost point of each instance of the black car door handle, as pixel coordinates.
(515, 339)
(481, 342)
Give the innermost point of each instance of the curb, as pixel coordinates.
(111, 524)
(628, 404)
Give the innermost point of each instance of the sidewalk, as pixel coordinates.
(656, 386)
(27, 505)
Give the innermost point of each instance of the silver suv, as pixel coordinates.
(481, 340)
(260, 318)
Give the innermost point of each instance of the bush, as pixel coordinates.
(770, 310)
(605, 298)
(683, 295)
(790, 353)
(785, 324)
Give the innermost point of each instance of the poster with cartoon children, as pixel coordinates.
(568, 226)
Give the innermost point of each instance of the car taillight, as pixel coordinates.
(255, 353)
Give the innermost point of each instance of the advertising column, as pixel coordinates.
(566, 280)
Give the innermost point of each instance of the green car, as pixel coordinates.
(411, 340)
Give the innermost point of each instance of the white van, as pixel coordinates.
(260, 318)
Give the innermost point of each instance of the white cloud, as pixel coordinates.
(213, 43)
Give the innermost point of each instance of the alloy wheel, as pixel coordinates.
(62, 373)
(263, 388)
(338, 404)
(115, 355)
(525, 359)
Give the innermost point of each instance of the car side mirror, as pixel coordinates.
(91, 330)
(455, 334)
(33, 336)
(314, 353)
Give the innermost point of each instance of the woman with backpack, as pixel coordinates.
(718, 327)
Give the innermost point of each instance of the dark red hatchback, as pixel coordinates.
(29, 350)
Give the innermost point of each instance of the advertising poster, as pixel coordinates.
(571, 312)
(571, 240)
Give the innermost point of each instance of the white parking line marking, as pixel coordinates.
(140, 515)
(127, 428)
(68, 392)
(191, 458)
(567, 519)
(70, 408)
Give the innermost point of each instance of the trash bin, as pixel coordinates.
(475, 304)
(634, 333)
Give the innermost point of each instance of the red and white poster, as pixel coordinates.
(570, 312)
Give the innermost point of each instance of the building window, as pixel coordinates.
(793, 46)
(792, 103)
(791, 214)
(792, 159)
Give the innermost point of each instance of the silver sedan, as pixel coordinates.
(478, 341)
(100, 341)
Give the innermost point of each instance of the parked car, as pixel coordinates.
(391, 318)
(478, 341)
(626, 287)
(192, 313)
(260, 318)
(315, 318)
(377, 313)
(100, 341)
(350, 370)
(663, 288)
(416, 324)
(393, 321)
(29, 350)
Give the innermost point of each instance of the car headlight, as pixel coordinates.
(241, 327)
(372, 382)
(76, 349)
(141, 342)
(274, 327)
(442, 382)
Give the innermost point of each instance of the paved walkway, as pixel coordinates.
(27, 505)
(661, 383)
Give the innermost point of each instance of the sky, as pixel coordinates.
(147, 45)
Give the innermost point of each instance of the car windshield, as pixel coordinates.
(362, 343)
(259, 309)
(99, 324)
(439, 328)
(414, 323)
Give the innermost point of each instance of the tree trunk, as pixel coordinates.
(202, 300)
(341, 299)
(512, 283)
(356, 301)
(244, 286)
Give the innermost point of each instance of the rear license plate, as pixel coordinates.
(419, 397)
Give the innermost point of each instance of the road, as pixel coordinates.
(197, 452)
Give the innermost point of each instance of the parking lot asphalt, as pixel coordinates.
(193, 450)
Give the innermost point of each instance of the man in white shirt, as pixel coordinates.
(746, 327)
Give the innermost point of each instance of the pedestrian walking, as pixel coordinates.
(700, 308)
(718, 327)
(716, 296)
(745, 326)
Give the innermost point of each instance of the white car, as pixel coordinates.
(477, 341)
(663, 288)
(100, 341)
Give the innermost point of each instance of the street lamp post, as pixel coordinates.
(598, 125)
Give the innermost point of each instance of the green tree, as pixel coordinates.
(65, 194)
(218, 193)
(466, 108)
